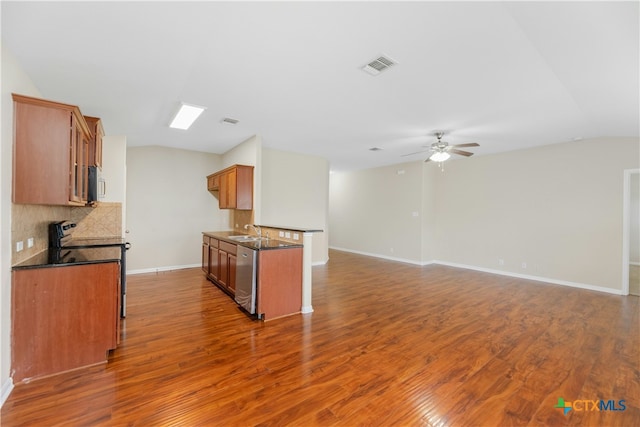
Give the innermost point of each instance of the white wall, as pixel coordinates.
(114, 171)
(429, 178)
(557, 208)
(168, 206)
(14, 80)
(372, 211)
(634, 228)
(295, 193)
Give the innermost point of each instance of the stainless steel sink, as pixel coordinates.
(245, 238)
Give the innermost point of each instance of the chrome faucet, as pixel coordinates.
(255, 228)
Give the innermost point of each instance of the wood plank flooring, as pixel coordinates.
(389, 344)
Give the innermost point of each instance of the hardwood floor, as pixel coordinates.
(389, 344)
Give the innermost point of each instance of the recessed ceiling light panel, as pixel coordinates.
(186, 115)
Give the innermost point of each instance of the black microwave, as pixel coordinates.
(97, 185)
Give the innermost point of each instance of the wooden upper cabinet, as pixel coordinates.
(50, 153)
(213, 182)
(234, 186)
(95, 143)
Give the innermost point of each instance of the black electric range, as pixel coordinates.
(61, 239)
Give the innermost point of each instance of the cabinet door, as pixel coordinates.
(40, 171)
(213, 182)
(79, 160)
(223, 278)
(227, 196)
(205, 258)
(244, 187)
(232, 273)
(98, 145)
(231, 189)
(95, 141)
(214, 263)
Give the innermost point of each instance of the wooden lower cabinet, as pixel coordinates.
(279, 282)
(278, 275)
(227, 263)
(63, 318)
(220, 260)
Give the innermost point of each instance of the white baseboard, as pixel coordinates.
(159, 269)
(530, 277)
(408, 261)
(306, 309)
(635, 263)
(5, 391)
(313, 264)
(492, 271)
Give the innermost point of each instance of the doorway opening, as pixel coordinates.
(631, 230)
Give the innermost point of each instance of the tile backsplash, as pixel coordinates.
(105, 220)
(32, 221)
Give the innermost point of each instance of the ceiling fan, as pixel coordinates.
(441, 150)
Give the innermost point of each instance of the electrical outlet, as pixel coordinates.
(19, 246)
(280, 233)
(30, 242)
(296, 236)
(524, 265)
(500, 261)
(287, 235)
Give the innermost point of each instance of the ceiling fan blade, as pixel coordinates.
(417, 152)
(460, 152)
(470, 144)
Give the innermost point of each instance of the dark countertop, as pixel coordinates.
(68, 257)
(256, 245)
(301, 230)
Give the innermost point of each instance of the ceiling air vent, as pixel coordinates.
(229, 121)
(378, 65)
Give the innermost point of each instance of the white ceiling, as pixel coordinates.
(507, 75)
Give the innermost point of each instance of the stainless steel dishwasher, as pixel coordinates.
(246, 279)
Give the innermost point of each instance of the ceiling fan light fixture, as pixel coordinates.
(439, 156)
(186, 115)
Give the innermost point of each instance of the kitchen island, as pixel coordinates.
(276, 273)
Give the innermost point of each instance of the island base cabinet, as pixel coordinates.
(63, 318)
(279, 282)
